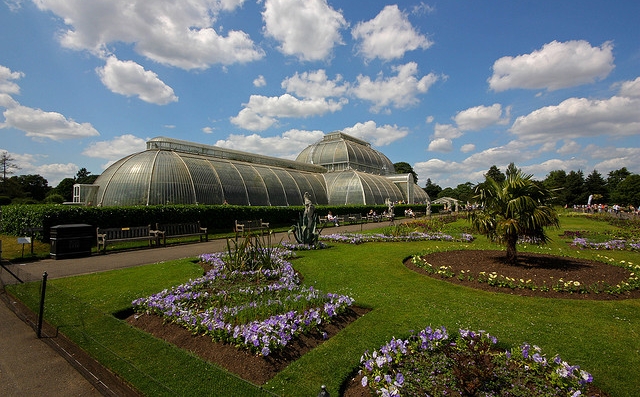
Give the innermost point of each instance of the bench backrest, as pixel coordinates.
(125, 232)
(254, 223)
(176, 229)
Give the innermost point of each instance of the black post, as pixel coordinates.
(42, 294)
(323, 391)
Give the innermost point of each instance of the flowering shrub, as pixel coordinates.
(431, 363)
(560, 285)
(261, 309)
(412, 236)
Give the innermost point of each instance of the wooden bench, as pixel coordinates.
(248, 226)
(373, 218)
(354, 218)
(324, 221)
(171, 230)
(132, 233)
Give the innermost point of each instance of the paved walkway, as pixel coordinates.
(35, 367)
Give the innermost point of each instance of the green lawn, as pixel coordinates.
(603, 337)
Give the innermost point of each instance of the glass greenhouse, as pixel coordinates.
(337, 170)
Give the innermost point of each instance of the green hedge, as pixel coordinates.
(218, 218)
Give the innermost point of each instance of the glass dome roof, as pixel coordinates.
(338, 151)
(172, 171)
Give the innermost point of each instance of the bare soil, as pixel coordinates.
(539, 268)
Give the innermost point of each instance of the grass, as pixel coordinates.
(603, 337)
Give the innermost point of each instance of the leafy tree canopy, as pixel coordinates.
(405, 168)
(432, 189)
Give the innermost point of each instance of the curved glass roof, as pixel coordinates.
(356, 187)
(171, 171)
(158, 176)
(338, 151)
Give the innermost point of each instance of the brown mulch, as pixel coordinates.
(539, 268)
(255, 369)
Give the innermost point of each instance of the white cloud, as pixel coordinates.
(569, 147)
(50, 125)
(207, 130)
(443, 173)
(630, 89)
(262, 112)
(259, 81)
(315, 85)
(288, 145)
(399, 91)
(446, 131)
(13, 5)
(306, 29)
(130, 79)
(440, 145)
(556, 65)
(423, 8)
(580, 117)
(176, 33)
(512, 152)
(466, 148)
(388, 36)
(378, 135)
(541, 170)
(36, 123)
(7, 86)
(115, 148)
(248, 119)
(54, 173)
(479, 117)
(613, 158)
(31, 164)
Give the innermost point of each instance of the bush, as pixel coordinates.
(217, 218)
(54, 199)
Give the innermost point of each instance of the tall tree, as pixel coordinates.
(595, 184)
(34, 186)
(85, 177)
(628, 191)
(574, 188)
(615, 177)
(495, 174)
(464, 192)
(432, 189)
(8, 165)
(511, 170)
(517, 207)
(405, 168)
(556, 181)
(65, 188)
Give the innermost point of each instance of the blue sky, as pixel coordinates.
(450, 87)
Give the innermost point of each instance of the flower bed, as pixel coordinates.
(261, 310)
(413, 236)
(631, 283)
(434, 363)
(616, 244)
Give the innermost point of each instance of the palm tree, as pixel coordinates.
(512, 209)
